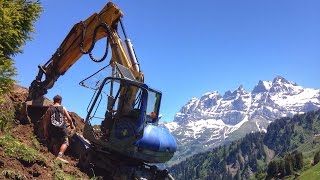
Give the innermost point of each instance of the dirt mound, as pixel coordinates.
(16, 98)
(44, 166)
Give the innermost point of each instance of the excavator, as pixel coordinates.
(121, 138)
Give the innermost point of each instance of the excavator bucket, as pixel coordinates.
(33, 111)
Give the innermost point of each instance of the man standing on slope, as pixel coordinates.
(55, 127)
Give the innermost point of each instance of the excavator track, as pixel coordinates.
(110, 165)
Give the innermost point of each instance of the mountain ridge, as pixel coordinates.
(206, 122)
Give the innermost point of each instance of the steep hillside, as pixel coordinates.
(287, 149)
(213, 119)
(23, 156)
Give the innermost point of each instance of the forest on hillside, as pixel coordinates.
(289, 147)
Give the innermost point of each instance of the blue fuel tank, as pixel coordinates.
(157, 144)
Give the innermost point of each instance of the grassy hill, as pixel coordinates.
(313, 173)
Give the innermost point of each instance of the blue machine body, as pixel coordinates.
(157, 138)
(133, 133)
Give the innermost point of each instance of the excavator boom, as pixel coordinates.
(81, 40)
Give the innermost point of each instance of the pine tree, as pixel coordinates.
(281, 168)
(299, 160)
(272, 169)
(288, 163)
(16, 24)
(316, 158)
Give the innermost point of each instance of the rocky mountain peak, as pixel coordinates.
(262, 86)
(186, 110)
(241, 90)
(210, 95)
(280, 79)
(209, 100)
(227, 94)
(205, 122)
(190, 105)
(280, 84)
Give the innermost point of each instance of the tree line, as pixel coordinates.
(259, 155)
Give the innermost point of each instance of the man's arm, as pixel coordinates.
(68, 117)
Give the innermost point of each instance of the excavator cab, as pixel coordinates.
(119, 121)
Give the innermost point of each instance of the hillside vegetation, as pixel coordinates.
(311, 174)
(286, 150)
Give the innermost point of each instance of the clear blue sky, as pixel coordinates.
(188, 48)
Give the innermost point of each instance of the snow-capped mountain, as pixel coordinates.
(207, 122)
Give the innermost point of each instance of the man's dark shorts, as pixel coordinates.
(59, 136)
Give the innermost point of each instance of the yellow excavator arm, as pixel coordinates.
(81, 40)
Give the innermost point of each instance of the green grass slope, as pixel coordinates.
(311, 174)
